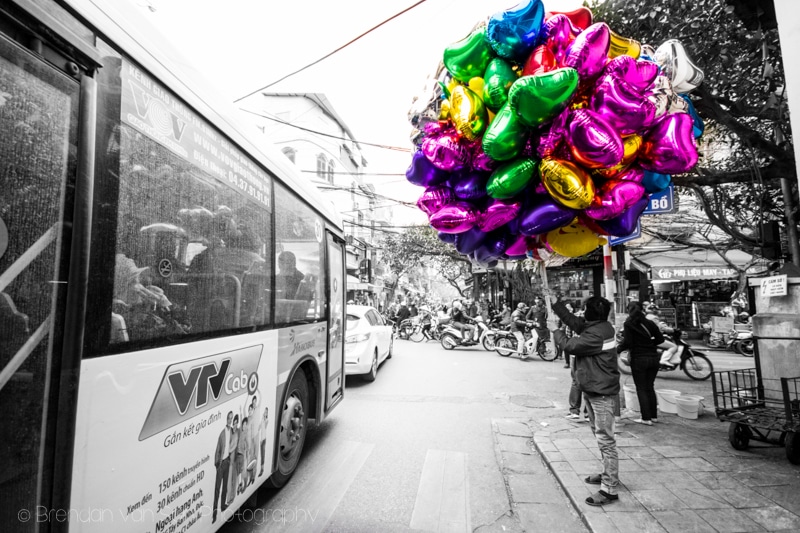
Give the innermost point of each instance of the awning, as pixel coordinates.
(355, 284)
(690, 264)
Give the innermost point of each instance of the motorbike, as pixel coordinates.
(506, 344)
(694, 363)
(432, 333)
(743, 342)
(406, 327)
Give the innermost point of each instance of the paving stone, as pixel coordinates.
(730, 521)
(656, 465)
(674, 480)
(553, 457)
(643, 452)
(774, 518)
(627, 503)
(637, 480)
(547, 517)
(569, 480)
(601, 523)
(587, 467)
(629, 465)
(743, 498)
(629, 442)
(545, 446)
(784, 495)
(717, 480)
(514, 444)
(527, 488)
(561, 466)
(578, 454)
(684, 521)
(675, 451)
(764, 479)
(568, 444)
(701, 498)
(658, 499)
(513, 428)
(694, 464)
(636, 522)
(521, 463)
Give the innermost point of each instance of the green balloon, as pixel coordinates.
(511, 178)
(539, 98)
(467, 58)
(505, 138)
(498, 79)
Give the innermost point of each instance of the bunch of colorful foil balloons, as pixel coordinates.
(544, 133)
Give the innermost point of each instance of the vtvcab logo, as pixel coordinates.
(192, 387)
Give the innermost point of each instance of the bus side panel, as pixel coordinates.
(151, 451)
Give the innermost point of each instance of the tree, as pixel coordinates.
(747, 147)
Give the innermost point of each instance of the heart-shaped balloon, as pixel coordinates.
(457, 217)
(468, 58)
(539, 98)
(567, 183)
(614, 197)
(632, 173)
(446, 151)
(623, 46)
(545, 215)
(468, 113)
(505, 138)
(498, 213)
(573, 240)
(655, 182)
(512, 33)
(623, 107)
(639, 75)
(668, 147)
(594, 143)
(434, 198)
(511, 178)
(519, 245)
(630, 149)
(581, 18)
(625, 223)
(551, 135)
(498, 78)
(468, 241)
(685, 76)
(424, 173)
(588, 52)
(470, 185)
(540, 60)
(560, 34)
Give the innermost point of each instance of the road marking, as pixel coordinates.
(443, 495)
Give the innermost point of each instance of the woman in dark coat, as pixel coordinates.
(642, 338)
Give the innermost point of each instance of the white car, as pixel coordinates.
(368, 343)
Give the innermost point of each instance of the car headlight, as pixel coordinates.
(352, 339)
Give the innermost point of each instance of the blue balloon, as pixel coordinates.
(698, 126)
(423, 173)
(449, 238)
(470, 185)
(655, 182)
(625, 224)
(512, 33)
(468, 241)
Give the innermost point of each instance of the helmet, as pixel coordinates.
(522, 305)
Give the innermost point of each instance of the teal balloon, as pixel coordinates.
(469, 57)
(511, 178)
(505, 137)
(497, 80)
(540, 97)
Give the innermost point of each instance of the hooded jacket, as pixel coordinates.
(594, 348)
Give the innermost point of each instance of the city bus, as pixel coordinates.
(172, 296)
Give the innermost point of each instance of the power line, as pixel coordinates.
(335, 51)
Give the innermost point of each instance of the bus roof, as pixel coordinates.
(122, 23)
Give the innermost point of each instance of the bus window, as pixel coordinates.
(299, 277)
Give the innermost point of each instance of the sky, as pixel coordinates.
(244, 45)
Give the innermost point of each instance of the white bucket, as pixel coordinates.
(666, 400)
(688, 406)
(631, 399)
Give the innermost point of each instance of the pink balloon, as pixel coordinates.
(627, 110)
(638, 74)
(497, 214)
(593, 141)
(551, 135)
(632, 173)
(560, 34)
(589, 51)
(668, 148)
(479, 159)
(434, 198)
(454, 218)
(446, 151)
(520, 246)
(614, 197)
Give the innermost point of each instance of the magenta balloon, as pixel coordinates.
(638, 74)
(625, 223)
(497, 214)
(627, 110)
(470, 185)
(632, 173)
(446, 152)
(434, 198)
(479, 160)
(422, 172)
(614, 197)
(468, 241)
(593, 141)
(560, 34)
(668, 148)
(545, 216)
(519, 246)
(588, 52)
(457, 217)
(551, 135)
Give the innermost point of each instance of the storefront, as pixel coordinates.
(577, 278)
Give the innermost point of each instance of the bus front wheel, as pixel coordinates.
(294, 426)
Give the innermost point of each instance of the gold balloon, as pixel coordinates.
(630, 149)
(476, 85)
(468, 113)
(573, 240)
(444, 111)
(567, 183)
(623, 46)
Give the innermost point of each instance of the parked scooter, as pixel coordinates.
(506, 343)
(743, 342)
(694, 363)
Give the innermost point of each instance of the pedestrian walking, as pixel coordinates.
(597, 375)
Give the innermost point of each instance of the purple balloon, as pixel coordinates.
(422, 172)
(638, 74)
(498, 213)
(434, 198)
(668, 148)
(497, 242)
(614, 197)
(627, 110)
(519, 246)
(545, 216)
(593, 141)
(625, 223)
(588, 52)
(559, 33)
(446, 152)
(470, 185)
(457, 217)
(449, 238)
(468, 241)
(551, 135)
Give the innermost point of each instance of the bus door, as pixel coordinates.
(336, 321)
(47, 105)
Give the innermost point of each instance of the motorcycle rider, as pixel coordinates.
(462, 322)
(671, 350)
(425, 318)
(517, 327)
(538, 315)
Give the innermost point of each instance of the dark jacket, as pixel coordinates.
(641, 338)
(403, 313)
(594, 349)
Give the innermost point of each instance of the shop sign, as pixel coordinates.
(662, 202)
(613, 241)
(686, 273)
(774, 286)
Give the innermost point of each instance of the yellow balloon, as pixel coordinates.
(573, 240)
(468, 113)
(444, 111)
(623, 46)
(630, 149)
(476, 85)
(567, 183)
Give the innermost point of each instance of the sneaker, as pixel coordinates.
(643, 422)
(654, 420)
(573, 416)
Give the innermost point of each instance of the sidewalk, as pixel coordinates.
(677, 476)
